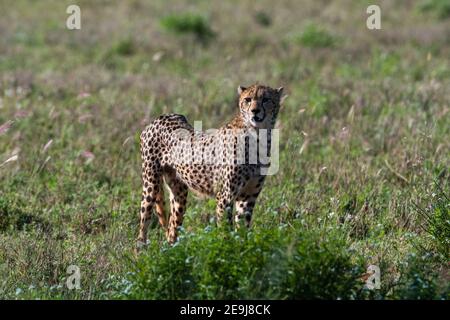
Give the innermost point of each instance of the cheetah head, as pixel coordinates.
(259, 105)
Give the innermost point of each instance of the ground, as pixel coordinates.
(364, 151)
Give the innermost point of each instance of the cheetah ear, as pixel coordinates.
(279, 90)
(241, 89)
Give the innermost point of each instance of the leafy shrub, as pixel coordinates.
(188, 24)
(437, 218)
(316, 37)
(124, 47)
(13, 217)
(439, 7)
(319, 100)
(418, 280)
(263, 19)
(112, 57)
(219, 264)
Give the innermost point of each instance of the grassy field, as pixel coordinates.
(364, 153)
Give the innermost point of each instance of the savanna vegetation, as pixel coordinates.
(364, 151)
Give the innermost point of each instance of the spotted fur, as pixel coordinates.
(186, 159)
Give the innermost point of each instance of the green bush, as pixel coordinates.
(263, 19)
(14, 218)
(124, 47)
(437, 219)
(188, 23)
(439, 7)
(316, 37)
(112, 58)
(418, 280)
(280, 263)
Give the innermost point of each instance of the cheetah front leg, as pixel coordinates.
(244, 209)
(227, 196)
(246, 201)
(224, 206)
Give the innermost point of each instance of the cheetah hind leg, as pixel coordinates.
(160, 209)
(152, 194)
(178, 197)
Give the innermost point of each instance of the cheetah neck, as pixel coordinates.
(239, 123)
(236, 123)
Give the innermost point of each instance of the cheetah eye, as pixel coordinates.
(248, 100)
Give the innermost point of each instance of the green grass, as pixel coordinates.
(364, 150)
(437, 223)
(276, 263)
(188, 23)
(441, 8)
(315, 37)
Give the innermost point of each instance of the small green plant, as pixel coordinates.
(112, 58)
(418, 280)
(316, 37)
(441, 8)
(263, 19)
(124, 47)
(14, 218)
(319, 101)
(188, 23)
(437, 222)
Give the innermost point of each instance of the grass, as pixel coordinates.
(315, 37)
(188, 23)
(364, 150)
(437, 223)
(272, 263)
(440, 8)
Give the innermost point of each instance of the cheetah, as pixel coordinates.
(207, 163)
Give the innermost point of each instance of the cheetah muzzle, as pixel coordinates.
(215, 164)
